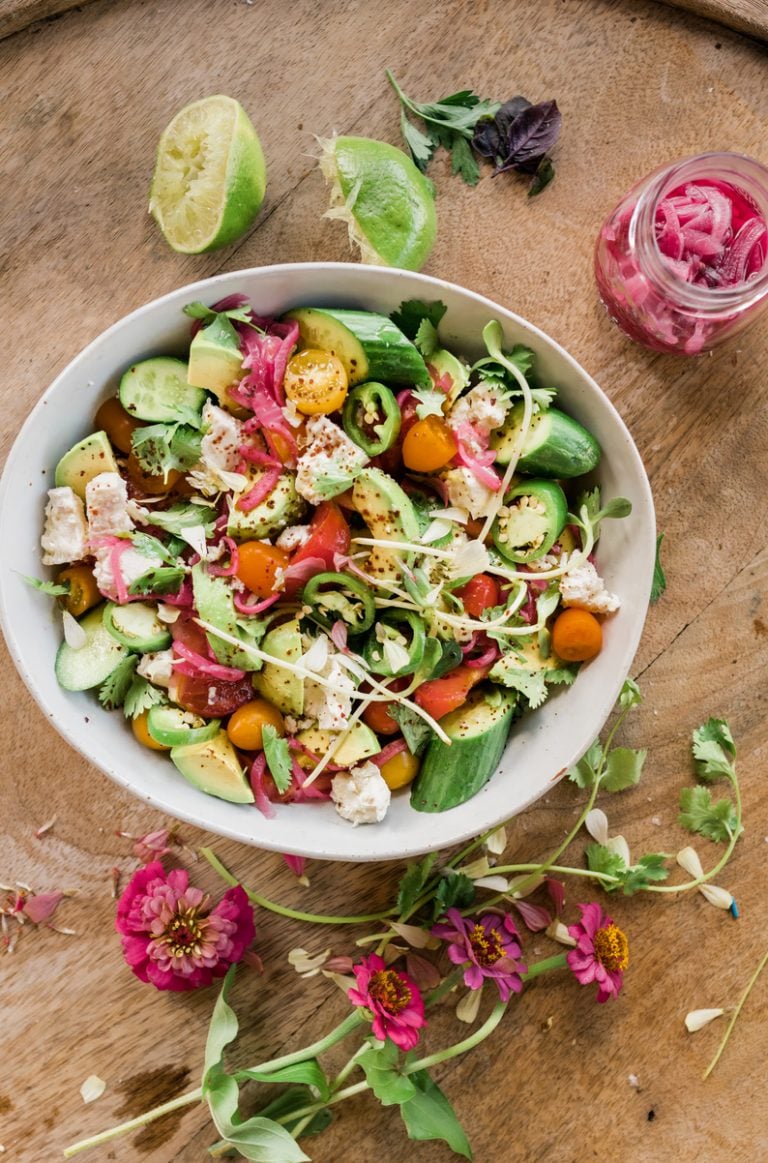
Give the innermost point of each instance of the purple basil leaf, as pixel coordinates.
(530, 136)
(491, 132)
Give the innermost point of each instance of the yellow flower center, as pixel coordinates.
(612, 948)
(390, 991)
(486, 947)
(184, 933)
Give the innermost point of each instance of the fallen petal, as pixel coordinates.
(418, 938)
(466, 1010)
(497, 883)
(596, 824)
(307, 964)
(41, 907)
(619, 845)
(688, 858)
(719, 897)
(697, 1019)
(497, 841)
(92, 1088)
(559, 932)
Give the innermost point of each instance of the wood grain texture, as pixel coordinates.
(638, 84)
(748, 16)
(18, 14)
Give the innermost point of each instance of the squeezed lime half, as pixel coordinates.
(210, 176)
(386, 202)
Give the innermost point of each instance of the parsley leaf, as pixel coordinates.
(163, 448)
(54, 589)
(140, 696)
(412, 312)
(659, 583)
(416, 732)
(713, 749)
(717, 821)
(412, 882)
(166, 580)
(278, 757)
(115, 687)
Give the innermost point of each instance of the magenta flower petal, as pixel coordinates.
(172, 937)
(392, 997)
(488, 948)
(601, 953)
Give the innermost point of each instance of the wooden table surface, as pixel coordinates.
(84, 99)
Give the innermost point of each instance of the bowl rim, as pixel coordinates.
(208, 287)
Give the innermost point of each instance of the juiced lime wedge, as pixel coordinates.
(386, 202)
(210, 176)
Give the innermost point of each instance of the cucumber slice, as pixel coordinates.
(157, 390)
(556, 445)
(79, 670)
(84, 461)
(451, 775)
(213, 767)
(370, 346)
(136, 626)
(176, 728)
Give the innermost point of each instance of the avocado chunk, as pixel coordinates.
(214, 767)
(282, 507)
(451, 774)
(84, 461)
(359, 743)
(278, 685)
(445, 363)
(215, 360)
(214, 604)
(390, 516)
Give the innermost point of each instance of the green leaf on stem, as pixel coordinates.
(651, 867)
(713, 750)
(454, 890)
(630, 695)
(381, 1065)
(429, 1115)
(717, 821)
(294, 1099)
(584, 773)
(412, 883)
(623, 768)
(53, 589)
(309, 1073)
(222, 1028)
(659, 583)
(604, 860)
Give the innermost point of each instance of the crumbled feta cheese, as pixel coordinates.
(360, 794)
(215, 472)
(293, 538)
(328, 453)
(330, 706)
(466, 492)
(292, 414)
(484, 407)
(65, 536)
(106, 499)
(133, 565)
(583, 587)
(156, 667)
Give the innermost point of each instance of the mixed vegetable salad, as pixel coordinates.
(325, 558)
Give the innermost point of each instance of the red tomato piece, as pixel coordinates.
(210, 698)
(481, 593)
(328, 535)
(440, 696)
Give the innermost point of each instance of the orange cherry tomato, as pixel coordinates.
(377, 717)
(246, 724)
(83, 591)
(118, 424)
(316, 382)
(400, 770)
(141, 731)
(257, 566)
(439, 696)
(577, 635)
(428, 445)
(481, 593)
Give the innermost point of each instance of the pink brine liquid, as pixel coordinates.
(707, 234)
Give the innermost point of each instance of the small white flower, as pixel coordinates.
(697, 1019)
(466, 1010)
(688, 858)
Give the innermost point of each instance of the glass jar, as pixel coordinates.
(682, 262)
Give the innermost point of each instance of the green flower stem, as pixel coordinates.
(721, 862)
(556, 961)
(350, 1023)
(603, 877)
(315, 1108)
(445, 986)
(734, 1016)
(283, 910)
(490, 1024)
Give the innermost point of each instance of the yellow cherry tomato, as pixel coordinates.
(118, 424)
(246, 724)
(257, 566)
(83, 591)
(577, 635)
(400, 770)
(428, 445)
(141, 731)
(316, 382)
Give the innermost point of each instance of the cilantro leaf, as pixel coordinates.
(166, 580)
(412, 312)
(623, 768)
(140, 696)
(163, 448)
(426, 339)
(717, 821)
(650, 868)
(563, 675)
(454, 890)
(584, 773)
(604, 860)
(416, 732)
(150, 546)
(241, 314)
(430, 402)
(529, 683)
(53, 589)
(115, 687)
(185, 515)
(630, 695)
(278, 757)
(412, 882)
(659, 583)
(713, 749)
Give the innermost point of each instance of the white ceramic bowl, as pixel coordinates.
(542, 745)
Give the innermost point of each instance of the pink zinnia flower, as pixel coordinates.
(170, 934)
(488, 947)
(601, 953)
(393, 998)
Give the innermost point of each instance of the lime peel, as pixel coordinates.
(341, 207)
